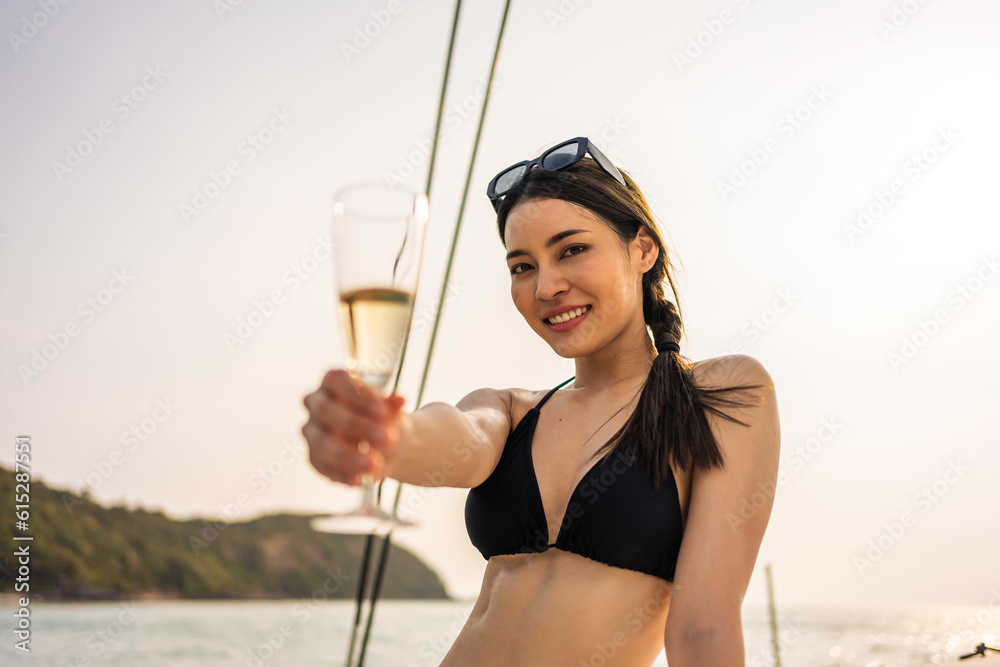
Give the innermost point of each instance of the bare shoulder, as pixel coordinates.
(514, 402)
(754, 424)
(496, 402)
(730, 370)
(492, 416)
(485, 396)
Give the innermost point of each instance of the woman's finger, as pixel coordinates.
(332, 457)
(344, 420)
(343, 387)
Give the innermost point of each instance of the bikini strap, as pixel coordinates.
(552, 391)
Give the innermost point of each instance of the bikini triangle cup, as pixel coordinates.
(616, 514)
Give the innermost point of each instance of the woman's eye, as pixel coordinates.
(568, 252)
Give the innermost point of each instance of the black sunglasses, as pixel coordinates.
(554, 159)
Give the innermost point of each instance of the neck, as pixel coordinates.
(624, 361)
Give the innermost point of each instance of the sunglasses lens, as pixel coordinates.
(561, 157)
(509, 179)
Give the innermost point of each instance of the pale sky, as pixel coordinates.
(168, 171)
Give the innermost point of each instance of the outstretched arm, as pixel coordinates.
(437, 445)
(452, 445)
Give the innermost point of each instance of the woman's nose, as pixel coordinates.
(550, 283)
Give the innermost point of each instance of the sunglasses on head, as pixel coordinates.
(556, 158)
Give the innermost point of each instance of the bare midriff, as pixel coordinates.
(558, 609)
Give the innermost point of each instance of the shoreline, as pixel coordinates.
(11, 599)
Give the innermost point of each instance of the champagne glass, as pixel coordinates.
(378, 238)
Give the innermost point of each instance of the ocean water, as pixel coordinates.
(418, 634)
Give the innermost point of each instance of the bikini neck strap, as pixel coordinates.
(552, 391)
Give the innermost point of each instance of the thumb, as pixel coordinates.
(395, 404)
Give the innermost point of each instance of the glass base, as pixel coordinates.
(362, 521)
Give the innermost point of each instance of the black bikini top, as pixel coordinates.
(614, 516)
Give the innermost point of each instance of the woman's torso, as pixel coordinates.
(559, 608)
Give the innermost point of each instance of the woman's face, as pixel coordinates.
(562, 258)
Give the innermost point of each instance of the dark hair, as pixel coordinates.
(669, 422)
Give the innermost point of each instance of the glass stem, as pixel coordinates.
(367, 484)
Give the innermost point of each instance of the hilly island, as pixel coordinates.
(83, 550)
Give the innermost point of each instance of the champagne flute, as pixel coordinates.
(378, 238)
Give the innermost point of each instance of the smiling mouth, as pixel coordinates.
(567, 316)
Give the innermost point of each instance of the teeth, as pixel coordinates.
(569, 315)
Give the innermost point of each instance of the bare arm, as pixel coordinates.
(437, 445)
(452, 445)
(721, 538)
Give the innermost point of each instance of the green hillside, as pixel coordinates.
(82, 550)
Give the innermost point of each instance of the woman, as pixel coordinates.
(580, 507)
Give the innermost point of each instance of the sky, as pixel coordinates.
(824, 174)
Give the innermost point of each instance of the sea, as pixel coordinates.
(307, 633)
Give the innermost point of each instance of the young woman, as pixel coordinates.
(580, 494)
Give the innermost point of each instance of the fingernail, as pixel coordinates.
(376, 434)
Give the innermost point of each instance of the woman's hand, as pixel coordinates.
(343, 412)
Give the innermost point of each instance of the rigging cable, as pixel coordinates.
(386, 543)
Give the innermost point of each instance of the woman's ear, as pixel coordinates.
(648, 250)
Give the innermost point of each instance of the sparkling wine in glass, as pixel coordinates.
(378, 238)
